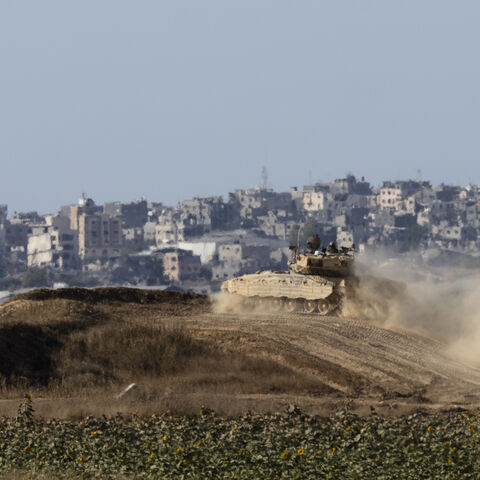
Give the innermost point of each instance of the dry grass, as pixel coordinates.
(119, 351)
(62, 348)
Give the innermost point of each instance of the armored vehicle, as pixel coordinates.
(318, 281)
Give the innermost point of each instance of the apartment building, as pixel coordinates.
(180, 265)
(99, 237)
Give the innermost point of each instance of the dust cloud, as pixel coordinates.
(441, 302)
(223, 302)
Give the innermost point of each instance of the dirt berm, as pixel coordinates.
(113, 294)
(77, 348)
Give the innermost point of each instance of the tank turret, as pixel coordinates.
(330, 264)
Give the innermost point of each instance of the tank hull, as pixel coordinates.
(283, 284)
(290, 291)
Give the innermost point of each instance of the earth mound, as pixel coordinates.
(112, 294)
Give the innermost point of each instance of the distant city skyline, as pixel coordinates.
(171, 100)
(99, 200)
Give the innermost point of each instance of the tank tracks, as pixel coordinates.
(325, 306)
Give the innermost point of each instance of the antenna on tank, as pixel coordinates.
(300, 228)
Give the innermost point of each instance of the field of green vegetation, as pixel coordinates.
(443, 446)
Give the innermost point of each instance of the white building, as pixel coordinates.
(407, 205)
(166, 234)
(390, 197)
(53, 244)
(313, 201)
(205, 250)
(149, 232)
(344, 238)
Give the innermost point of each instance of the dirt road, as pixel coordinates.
(357, 360)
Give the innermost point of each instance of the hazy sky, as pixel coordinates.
(173, 99)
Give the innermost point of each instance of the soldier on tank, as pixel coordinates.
(313, 243)
(332, 248)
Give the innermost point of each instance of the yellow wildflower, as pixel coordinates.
(429, 428)
(449, 460)
(453, 449)
(284, 455)
(471, 426)
(95, 433)
(349, 428)
(179, 450)
(185, 463)
(300, 451)
(446, 444)
(225, 463)
(30, 397)
(234, 426)
(315, 454)
(165, 438)
(200, 443)
(333, 450)
(152, 457)
(80, 459)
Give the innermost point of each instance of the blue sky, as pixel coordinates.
(169, 100)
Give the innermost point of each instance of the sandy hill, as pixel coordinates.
(87, 345)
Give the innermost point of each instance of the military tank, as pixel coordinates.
(318, 281)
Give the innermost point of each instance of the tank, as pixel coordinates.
(318, 281)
